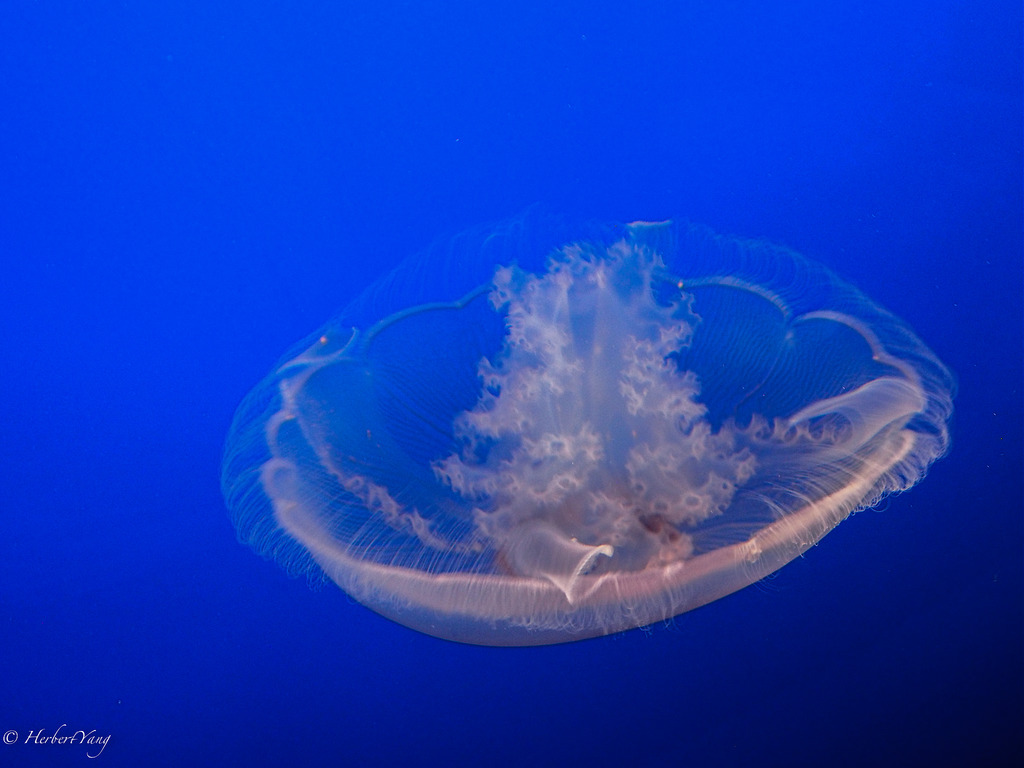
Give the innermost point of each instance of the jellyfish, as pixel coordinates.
(536, 435)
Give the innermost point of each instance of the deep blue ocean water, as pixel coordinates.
(186, 189)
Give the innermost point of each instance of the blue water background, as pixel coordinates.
(188, 188)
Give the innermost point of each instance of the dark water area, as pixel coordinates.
(188, 189)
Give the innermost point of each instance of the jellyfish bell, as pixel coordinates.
(509, 441)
